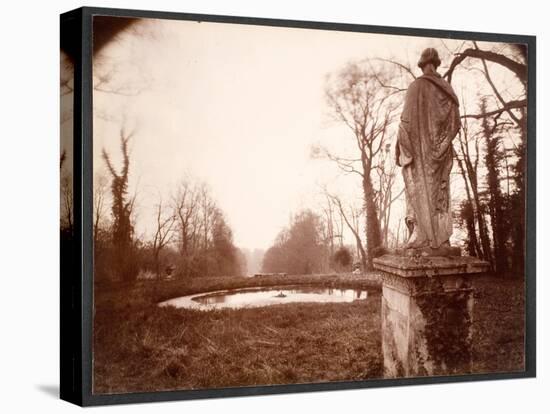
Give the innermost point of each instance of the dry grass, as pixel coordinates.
(499, 325)
(139, 346)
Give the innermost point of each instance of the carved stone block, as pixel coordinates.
(427, 310)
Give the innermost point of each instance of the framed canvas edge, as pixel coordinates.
(84, 156)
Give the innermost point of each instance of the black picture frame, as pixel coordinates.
(76, 280)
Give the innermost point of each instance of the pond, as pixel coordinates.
(256, 297)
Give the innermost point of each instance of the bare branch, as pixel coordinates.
(496, 92)
(506, 107)
(519, 69)
(401, 65)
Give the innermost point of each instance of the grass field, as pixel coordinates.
(139, 346)
(499, 324)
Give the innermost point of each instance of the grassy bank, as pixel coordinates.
(159, 291)
(139, 346)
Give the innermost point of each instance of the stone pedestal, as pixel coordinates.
(427, 310)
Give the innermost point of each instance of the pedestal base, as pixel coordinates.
(427, 309)
(443, 251)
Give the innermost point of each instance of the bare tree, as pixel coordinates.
(100, 195)
(358, 100)
(330, 224)
(208, 212)
(185, 204)
(351, 218)
(163, 233)
(468, 156)
(333, 227)
(385, 194)
(122, 207)
(467, 210)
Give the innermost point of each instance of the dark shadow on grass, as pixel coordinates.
(49, 389)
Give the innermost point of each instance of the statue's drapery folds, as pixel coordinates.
(429, 122)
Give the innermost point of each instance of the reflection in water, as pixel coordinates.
(265, 297)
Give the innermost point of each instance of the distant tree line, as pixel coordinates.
(304, 248)
(190, 238)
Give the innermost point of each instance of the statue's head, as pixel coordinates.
(429, 55)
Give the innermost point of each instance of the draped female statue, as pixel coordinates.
(429, 123)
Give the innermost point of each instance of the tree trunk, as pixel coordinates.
(495, 196)
(482, 226)
(473, 243)
(478, 212)
(372, 230)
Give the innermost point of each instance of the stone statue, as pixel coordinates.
(425, 278)
(429, 123)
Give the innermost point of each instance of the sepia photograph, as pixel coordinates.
(283, 205)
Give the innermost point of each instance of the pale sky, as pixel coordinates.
(236, 106)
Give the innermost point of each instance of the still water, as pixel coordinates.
(256, 297)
